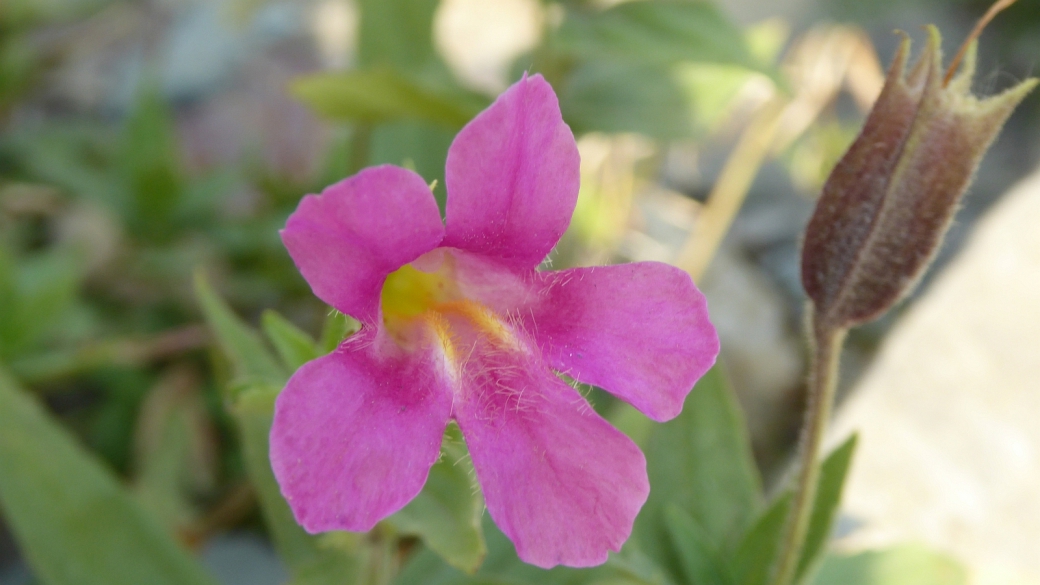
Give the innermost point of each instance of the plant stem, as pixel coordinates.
(826, 349)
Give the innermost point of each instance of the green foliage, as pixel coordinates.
(148, 157)
(75, 523)
(502, 567)
(337, 327)
(663, 32)
(608, 96)
(903, 565)
(664, 68)
(250, 358)
(383, 95)
(698, 556)
(701, 463)
(825, 508)
(753, 560)
(17, 14)
(36, 293)
(261, 378)
(398, 33)
(447, 513)
(293, 345)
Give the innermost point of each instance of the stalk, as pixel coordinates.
(826, 341)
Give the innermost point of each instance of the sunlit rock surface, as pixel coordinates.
(948, 414)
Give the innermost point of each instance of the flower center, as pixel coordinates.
(417, 302)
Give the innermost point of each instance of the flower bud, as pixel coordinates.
(889, 201)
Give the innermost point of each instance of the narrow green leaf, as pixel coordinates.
(700, 561)
(308, 558)
(753, 561)
(664, 32)
(825, 506)
(447, 513)
(293, 344)
(902, 565)
(260, 381)
(39, 289)
(74, 522)
(337, 328)
(382, 95)
(701, 462)
(149, 160)
(249, 356)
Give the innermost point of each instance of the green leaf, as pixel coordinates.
(260, 381)
(149, 159)
(73, 520)
(903, 565)
(249, 357)
(503, 567)
(447, 512)
(397, 33)
(609, 96)
(337, 328)
(420, 146)
(293, 344)
(37, 292)
(700, 561)
(305, 554)
(753, 561)
(382, 95)
(825, 505)
(664, 32)
(701, 462)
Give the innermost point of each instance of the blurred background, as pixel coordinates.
(141, 141)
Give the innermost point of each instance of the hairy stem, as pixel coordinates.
(826, 341)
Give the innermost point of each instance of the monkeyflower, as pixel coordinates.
(458, 324)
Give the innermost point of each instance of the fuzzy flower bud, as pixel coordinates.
(889, 201)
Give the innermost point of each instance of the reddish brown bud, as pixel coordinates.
(887, 204)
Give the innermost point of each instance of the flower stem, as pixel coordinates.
(826, 348)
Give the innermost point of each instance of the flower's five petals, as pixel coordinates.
(639, 331)
(348, 239)
(512, 177)
(560, 482)
(355, 433)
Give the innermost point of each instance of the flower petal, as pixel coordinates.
(512, 177)
(639, 331)
(355, 433)
(560, 482)
(348, 239)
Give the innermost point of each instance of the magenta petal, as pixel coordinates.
(639, 331)
(348, 239)
(355, 434)
(560, 482)
(512, 177)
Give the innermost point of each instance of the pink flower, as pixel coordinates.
(458, 324)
